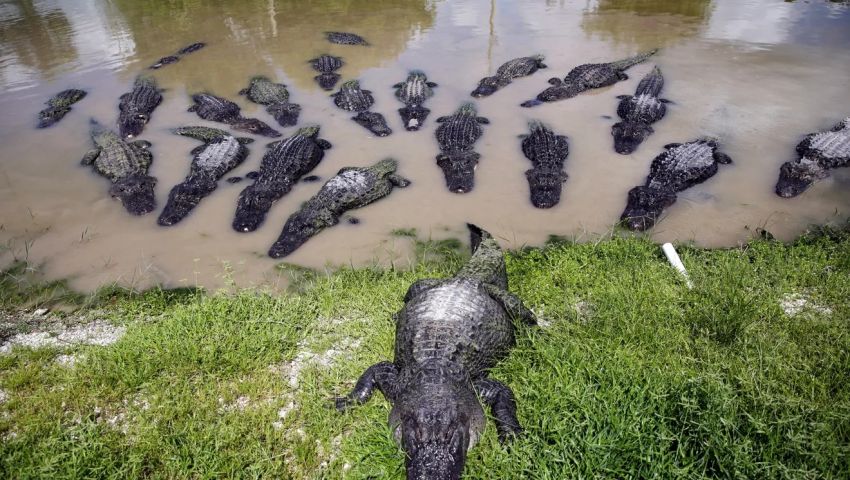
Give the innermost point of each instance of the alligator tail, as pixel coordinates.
(487, 263)
(630, 62)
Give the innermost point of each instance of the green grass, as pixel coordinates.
(634, 376)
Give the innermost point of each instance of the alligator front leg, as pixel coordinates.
(502, 403)
(383, 376)
(398, 180)
(511, 303)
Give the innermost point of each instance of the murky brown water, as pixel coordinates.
(756, 73)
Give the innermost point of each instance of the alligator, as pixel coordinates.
(126, 166)
(176, 57)
(586, 77)
(282, 166)
(449, 335)
(217, 109)
(639, 112)
(516, 68)
(220, 153)
(276, 99)
(352, 98)
(456, 136)
(351, 188)
(678, 168)
(326, 65)
(136, 106)
(819, 152)
(374, 122)
(58, 106)
(412, 93)
(344, 38)
(547, 153)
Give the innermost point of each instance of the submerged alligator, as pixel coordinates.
(126, 166)
(345, 38)
(547, 153)
(326, 65)
(285, 162)
(449, 334)
(680, 167)
(220, 153)
(639, 112)
(516, 68)
(217, 109)
(456, 136)
(136, 106)
(351, 188)
(586, 77)
(275, 97)
(176, 57)
(352, 98)
(819, 153)
(412, 93)
(58, 106)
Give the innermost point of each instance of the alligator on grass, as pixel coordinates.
(449, 335)
(177, 56)
(275, 97)
(516, 68)
(412, 93)
(819, 153)
(345, 38)
(282, 166)
(137, 105)
(351, 188)
(326, 65)
(639, 112)
(586, 77)
(126, 166)
(681, 166)
(547, 153)
(220, 153)
(58, 106)
(352, 98)
(217, 109)
(456, 136)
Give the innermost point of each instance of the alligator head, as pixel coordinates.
(644, 207)
(374, 122)
(487, 86)
(51, 115)
(545, 186)
(136, 193)
(286, 114)
(298, 229)
(558, 91)
(251, 208)
(327, 80)
(252, 125)
(796, 177)
(629, 135)
(131, 123)
(413, 117)
(459, 170)
(183, 198)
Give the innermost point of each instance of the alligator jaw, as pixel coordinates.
(459, 170)
(136, 193)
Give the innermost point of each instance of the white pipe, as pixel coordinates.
(674, 260)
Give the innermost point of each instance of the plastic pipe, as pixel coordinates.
(674, 260)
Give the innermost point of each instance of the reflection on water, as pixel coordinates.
(33, 37)
(646, 24)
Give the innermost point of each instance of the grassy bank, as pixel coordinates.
(630, 375)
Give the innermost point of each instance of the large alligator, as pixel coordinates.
(547, 153)
(678, 168)
(819, 153)
(126, 166)
(345, 38)
(351, 188)
(58, 106)
(352, 98)
(176, 57)
(285, 162)
(217, 109)
(639, 112)
(220, 153)
(412, 93)
(586, 77)
(449, 334)
(136, 106)
(516, 68)
(456, 136)
(326, 65)
(275, 97)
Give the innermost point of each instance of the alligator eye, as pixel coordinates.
(253, 127)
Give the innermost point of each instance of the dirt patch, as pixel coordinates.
(794, 304)
(55, 335)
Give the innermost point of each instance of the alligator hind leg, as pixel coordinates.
(383, 376)
(502, 403)
(511, 303)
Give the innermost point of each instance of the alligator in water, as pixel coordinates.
(547, 153)
(282, 166)
(586, 77)
(819, 153)
(217, 109)
(126, 166)
(680, 167)
(344, 38)
(639, 112)
(351, 188)
(412, 93)
(220, 153)
(456, 136)
(136, 106)
(352, 98)
(58, 106)
(176, 57)
(516, 68)
(327, 65)
(449, 335)
(275, 97)
(374, 122)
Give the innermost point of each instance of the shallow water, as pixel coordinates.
(757, 74)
